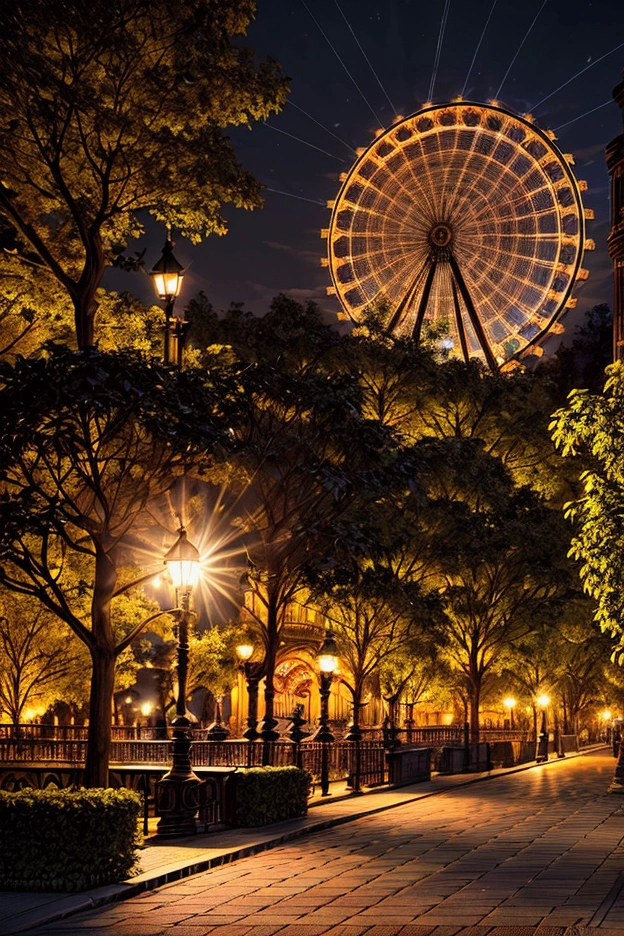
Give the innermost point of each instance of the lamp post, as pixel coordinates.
(177, 794)
(510, 704)
(542, 748)
(252, 672)
(328, 663)
(167, 275)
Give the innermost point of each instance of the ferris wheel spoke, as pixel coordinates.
(472, 314)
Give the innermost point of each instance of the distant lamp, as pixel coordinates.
(327, 659)
(327, 656)
(146, 709)
(606, 715)
(510, 704)
(182, 561)
(167, 275)
(543, 701)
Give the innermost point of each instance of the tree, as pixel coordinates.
(591, 427)
(499, 559)
(109, 109)
(35, 656)
(90, 441)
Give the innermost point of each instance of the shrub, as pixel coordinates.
(271, 794)
(67, 840)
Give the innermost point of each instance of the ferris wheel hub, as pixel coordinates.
(440, 235)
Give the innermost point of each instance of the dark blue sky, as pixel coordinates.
(279, 248)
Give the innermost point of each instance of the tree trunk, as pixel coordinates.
(83, 297)
(99, 736)
(103, 660)
(475, 705)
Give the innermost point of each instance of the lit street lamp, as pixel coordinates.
(167, 275)
(177, 794)
(328, 663)
(542, 748)
(510, 704)
(252, 672)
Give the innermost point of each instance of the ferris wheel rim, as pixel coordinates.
(442, 228)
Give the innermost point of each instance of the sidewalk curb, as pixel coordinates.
(71, 904)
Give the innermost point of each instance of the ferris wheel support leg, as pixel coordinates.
(460, 325)
(424, 300)
(474, 318)
(406, 300)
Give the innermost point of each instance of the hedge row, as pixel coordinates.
(67, 840)
(271, 794)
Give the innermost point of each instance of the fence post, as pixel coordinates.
(466, 747)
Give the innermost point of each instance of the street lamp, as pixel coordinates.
(542, 748)
(510, 704)
(177, 794)
(328, 663)
(167, 275)
(252, 672)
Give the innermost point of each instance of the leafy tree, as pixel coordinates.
(212, 657)
(500, 560)
(109, 109)
(90, 442)
(591, 427)
(35, 656)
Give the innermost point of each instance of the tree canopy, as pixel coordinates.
(108, 109)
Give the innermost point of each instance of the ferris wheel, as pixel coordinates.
(467, 216)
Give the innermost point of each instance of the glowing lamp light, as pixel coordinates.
(543, 701)
(167, 274)
(509, 702)
(182, 561)
(146, 709)
(327, 657)
(244, 652)
(606, 715)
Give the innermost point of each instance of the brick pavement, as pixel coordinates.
(537, 853)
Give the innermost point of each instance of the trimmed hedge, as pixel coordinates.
(271, 794)
(67, 840)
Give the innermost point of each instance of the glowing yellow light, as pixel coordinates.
(146, 709)
(543, 701)
(606, 715)
(244, 651)
(509, 702)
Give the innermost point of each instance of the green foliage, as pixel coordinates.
(271, 794)
(67, 840)
(591, 427)
(212, 658)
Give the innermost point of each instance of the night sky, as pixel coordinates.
(279, 247)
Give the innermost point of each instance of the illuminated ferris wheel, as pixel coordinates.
(467, 216)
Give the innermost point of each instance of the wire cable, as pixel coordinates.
(318, 123)
(586, 114)
(438, 49)
(526, 36)
(313, 201)
(368, 61)
(578, 74)
(327, 40)
(305, 142)
(474, 57)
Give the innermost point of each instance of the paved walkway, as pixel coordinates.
(533, 847)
